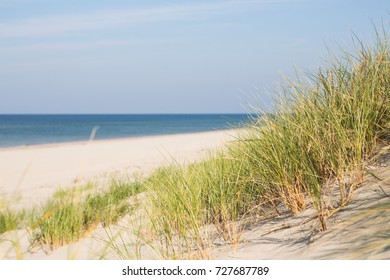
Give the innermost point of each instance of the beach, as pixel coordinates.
(233, 139)
(30, 175)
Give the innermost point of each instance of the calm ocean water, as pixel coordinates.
(23, 130)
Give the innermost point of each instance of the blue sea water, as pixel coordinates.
(25, 130)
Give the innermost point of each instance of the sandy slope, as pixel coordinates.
(360, 230)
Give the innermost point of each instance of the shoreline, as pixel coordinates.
(86, 142)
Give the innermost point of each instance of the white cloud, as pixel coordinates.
(64, 24)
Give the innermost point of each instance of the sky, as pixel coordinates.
(143, 57)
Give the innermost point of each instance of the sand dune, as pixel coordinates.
(358, 231)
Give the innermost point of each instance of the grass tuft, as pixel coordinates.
(185, 200)
(11, 220)
(71, 217)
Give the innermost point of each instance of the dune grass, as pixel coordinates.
(320, 133)
(11, 219)
(217, 191)
(324, 131)
(70, 215)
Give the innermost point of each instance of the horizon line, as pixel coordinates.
(9, 114)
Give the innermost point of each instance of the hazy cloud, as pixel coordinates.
(98, 20)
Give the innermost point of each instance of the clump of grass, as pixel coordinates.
(185, 200)
(11, 220)
(61, 223)
(322, 132)
(75, 192)
(108, 207)
(67, 219)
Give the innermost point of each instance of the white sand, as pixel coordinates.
(33, 173)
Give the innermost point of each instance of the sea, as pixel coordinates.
(27, 130)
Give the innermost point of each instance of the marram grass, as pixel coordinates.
(70, 215)
(320, 133)
(216, 191)
(11, 219)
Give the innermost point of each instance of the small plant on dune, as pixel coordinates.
(71, 217)
(11, 220)
(187, 201)
(60, 224)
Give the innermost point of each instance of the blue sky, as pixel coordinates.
(95, 56)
